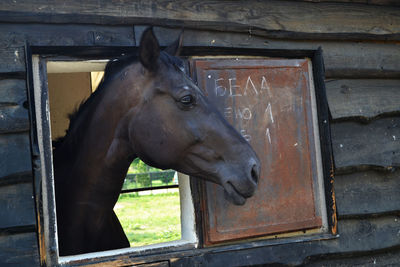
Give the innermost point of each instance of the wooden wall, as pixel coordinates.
(18, 221)
(361, 47)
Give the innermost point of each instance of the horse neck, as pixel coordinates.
(98, 168)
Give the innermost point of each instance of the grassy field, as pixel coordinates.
(150, 219)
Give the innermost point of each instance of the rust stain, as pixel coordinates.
(334, 211)
(334, 216)
(42, 248)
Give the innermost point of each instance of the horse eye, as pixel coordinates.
(187, 100)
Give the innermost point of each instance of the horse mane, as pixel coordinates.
(65, 146)
(79, 117)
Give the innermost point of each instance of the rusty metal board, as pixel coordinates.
(270, 102)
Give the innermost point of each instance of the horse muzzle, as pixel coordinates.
(238, 188)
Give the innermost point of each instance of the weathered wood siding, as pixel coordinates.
(361, 47)
(18, 223)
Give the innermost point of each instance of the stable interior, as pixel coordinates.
(69, 85)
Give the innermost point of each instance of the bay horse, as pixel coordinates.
(146, 107)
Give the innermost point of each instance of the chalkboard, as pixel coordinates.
(271, 102)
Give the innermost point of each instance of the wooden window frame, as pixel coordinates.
(41, 66)
(44, 194)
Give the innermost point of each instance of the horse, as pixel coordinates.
(146, 107)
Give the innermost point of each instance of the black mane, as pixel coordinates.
(78, 119)
(74, 133)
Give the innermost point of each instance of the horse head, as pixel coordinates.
(175, 126)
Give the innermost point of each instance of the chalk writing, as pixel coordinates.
(245, 114)
(251, 87)
(268, 113)
(233, 86)
(268, 134)
(235, 90)
(245, 135)
(268, 110)
(238, 113)
(250, 81)
(265, 86)
(219, 88)
(228, 112)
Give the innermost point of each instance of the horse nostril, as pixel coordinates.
(254, 173)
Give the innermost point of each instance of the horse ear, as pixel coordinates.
(175, 48)
(149, 50)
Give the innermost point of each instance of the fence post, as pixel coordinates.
(136, 181)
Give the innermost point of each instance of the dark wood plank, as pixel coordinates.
(362, 60)
(366, 193)
(14, 115)
(355, 236)
(15, 178)
(16, 35)
(19, 250)
(17, 205)
(389, 258)
(13, 119)
(363, 98)
(342, 59)
(279, 18)
(13, 38)
(366, 2)
(15, 156)
(376, 144)
(12, 92)
(207, 38)
(12, 59)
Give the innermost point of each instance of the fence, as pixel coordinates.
(149, 181)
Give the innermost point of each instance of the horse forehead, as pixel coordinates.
(173, 78)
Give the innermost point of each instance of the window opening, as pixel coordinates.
(150, 191)
(148, 207)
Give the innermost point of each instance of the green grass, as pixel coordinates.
(149, 219)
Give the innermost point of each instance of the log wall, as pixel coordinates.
(361, 48)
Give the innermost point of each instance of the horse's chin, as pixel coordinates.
(233, 196)
(234, 193)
